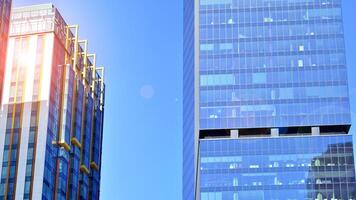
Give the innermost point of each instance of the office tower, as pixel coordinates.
(266, 104)
(5, 8)
(52, 110)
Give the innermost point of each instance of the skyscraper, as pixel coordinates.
(51, 122)
(5, 8)
(266, 103)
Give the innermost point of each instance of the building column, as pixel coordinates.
(315, 130)
(274, 132)
(234, 134)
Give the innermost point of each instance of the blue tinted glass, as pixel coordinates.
(281, 168)
(272, 64)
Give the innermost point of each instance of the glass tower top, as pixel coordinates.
(272, 63)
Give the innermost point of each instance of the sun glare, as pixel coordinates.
(24, 59)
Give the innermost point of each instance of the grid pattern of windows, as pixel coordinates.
(76, 133)
(33, 133)
(14, 122)
(32, 138)
(53, 109)
(267, 64)
(278, 168)
(55, 158)
(272, 63)
(11, 151)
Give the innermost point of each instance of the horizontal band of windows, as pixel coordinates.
(11, 179)
(209, 49)
(13, 145)
(245, 33)
(315, 106)
(266, 62)
(273, 38)
(275, 23)
(340, 100)
(271, 46)
(269, 17)
(299, 157)
(301, 76)
(290, 7)
(282, 53)
(281, 169)
(14, 130)
(283, 194)
(271, 180)
(279, 187)
(309, 68)
(272, 96)
(257, 116)
(260, 3)
(11, 163)
(275, 85)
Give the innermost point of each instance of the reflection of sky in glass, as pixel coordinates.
(139, 42)
(270, 169)
(276, 67)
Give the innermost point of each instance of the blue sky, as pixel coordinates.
(140, 44)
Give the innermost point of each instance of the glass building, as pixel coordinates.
(266, 103)
(5, 8)
(52, 110)
(291, 168)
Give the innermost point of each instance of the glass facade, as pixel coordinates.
(272, 63)
(53, 102)
(266, 110)
(289, 168)
(189, 93)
